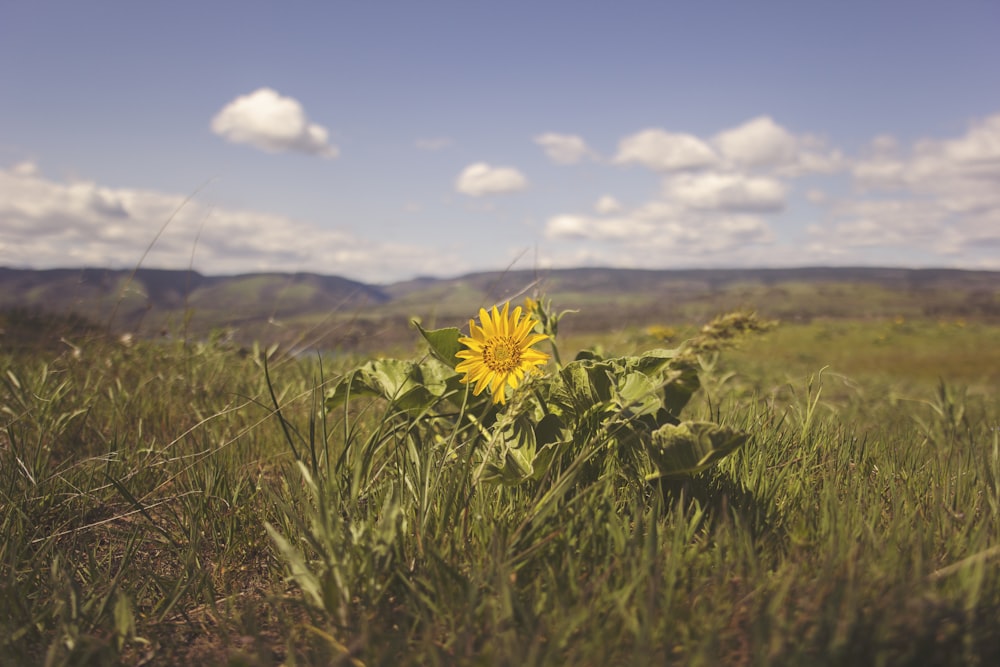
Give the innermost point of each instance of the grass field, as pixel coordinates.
(859, 524)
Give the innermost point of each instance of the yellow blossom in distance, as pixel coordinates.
(500, 352)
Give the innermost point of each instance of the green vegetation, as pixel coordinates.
(308, 311)
(166, 503)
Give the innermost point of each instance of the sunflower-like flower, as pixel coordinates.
(500, 352)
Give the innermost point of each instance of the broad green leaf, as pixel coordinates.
(638, 394)
(543, 460)
(526, 449)
(653, 361)
(516, 442)
(548, 430)
(679, 384)
(690, 447)
(549, 434)
(587, 382)
(439, 378)
(588, 355)
(393, 378)
(444, 343)
(411, 387)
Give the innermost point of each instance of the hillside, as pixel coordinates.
(312, 310)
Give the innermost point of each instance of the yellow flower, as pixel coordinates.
(499, 351)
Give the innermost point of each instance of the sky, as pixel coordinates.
(381, 141)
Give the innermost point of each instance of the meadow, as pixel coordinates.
(171, 502)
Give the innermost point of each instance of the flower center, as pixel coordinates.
(501, 354)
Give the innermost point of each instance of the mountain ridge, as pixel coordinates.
(268, 305)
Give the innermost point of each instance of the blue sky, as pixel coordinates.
(384, 140)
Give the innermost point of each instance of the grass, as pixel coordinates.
(859, 525)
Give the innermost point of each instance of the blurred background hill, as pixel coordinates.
(310, 311)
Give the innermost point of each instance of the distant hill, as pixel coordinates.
(318, 310)
(153, 300)
(609, 280)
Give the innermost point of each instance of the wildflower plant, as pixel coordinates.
(481, 414)
(541, 413)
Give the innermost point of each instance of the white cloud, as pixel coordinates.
(813, 158)
(619, 229)
(762, 143)
(944, 194)
(758, 142)
(659, 210)
(893, 222)
(884, 144)
(707, 211)
(879, 171)
(727, 192)
(25, 169)
(49, 224)
(272, 123)
(607, 204)
(482, 179)
(650, 231)
(665, 151)
(964, 171)
(978, 152)
(564, 148)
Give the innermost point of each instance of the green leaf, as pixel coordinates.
(679, 384)
(526, 449)
(548, 430)
(638, 394)
(549, 435)
(690, 447)
(653, 361)
(516, 440)
(587, 382)
(588, 355)
(410, 387)
(444, 343)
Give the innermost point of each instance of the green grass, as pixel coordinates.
(859, 525)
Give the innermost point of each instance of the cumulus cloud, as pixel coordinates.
(978, 152)
(48, 223)
(727, 192)
(273, 123)
(649, 231)
(24, 169)
(627, 242)
(710, 205)
(761, 143)
(597, 228)
(934, 201)
(480, 179)
(564, 148)
(879, 172)
(665, 151)
(758, 142)
(939, 195)
(964, 170)
(607, 204)
(887, 221)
